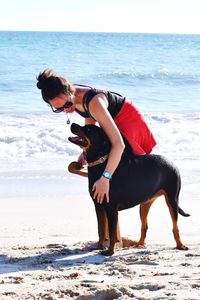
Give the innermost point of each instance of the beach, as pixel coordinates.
(48, 224)
(48, 238)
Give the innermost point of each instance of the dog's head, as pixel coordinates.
(92, 140)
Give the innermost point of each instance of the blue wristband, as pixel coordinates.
(107, 175)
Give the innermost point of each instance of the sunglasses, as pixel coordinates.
(68, 104)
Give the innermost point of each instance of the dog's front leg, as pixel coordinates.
(102, 226)
(112, 216)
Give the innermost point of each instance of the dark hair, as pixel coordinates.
(51, 85)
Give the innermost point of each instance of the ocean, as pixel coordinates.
(47, 218)
(160, 73)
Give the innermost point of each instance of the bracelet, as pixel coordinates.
(107, 175)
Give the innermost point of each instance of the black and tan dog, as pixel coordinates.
(137, 180)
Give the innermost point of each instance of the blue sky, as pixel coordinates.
(162, 16)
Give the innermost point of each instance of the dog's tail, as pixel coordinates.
(182, 213)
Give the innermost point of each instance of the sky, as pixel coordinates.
(147, 16)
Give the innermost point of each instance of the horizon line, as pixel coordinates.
(117, 32)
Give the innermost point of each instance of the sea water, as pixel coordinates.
(159, 73)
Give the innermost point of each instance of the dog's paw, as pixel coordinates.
(107, 252)
(74, 166)
(100, 247)
(182, 247)
(130, 243)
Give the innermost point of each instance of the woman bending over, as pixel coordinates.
(114, 113)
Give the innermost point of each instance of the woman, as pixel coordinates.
(114, 113)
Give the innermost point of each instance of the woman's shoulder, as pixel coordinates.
(91, 93)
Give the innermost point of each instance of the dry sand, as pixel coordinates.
(47, 252)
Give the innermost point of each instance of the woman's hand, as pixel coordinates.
(82, 160)
(101, 189)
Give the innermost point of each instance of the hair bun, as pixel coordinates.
(40, 85)
(43, 78)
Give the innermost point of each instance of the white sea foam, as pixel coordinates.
(34, 135)
(40, 136)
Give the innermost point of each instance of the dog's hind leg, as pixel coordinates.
(174, 216)
(102, 226)
(144, 210)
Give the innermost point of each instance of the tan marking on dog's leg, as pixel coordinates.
(112, 225)
(144, 210)
(102, 226)
(113, 241)
(120, 240)
(118, 232)
(177, 238)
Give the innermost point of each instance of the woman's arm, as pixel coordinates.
(90, 121)
(98, 109)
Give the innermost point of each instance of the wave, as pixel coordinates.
(43, 136)
(33, 135)
(164, 75)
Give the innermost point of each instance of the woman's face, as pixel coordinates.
(62, 102)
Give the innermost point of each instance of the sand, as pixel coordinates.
(49, 233)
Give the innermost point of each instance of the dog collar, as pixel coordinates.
(98, 161)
